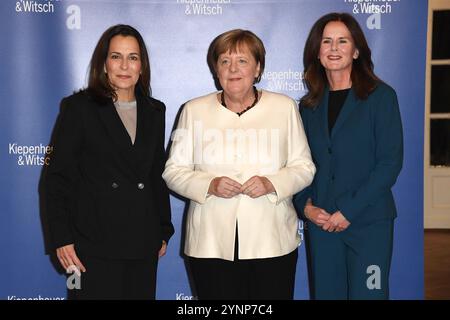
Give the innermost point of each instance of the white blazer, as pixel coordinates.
(212, 141)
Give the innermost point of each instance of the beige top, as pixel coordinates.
(212, 141)
(128, 114)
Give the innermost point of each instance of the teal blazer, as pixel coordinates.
(357, 164)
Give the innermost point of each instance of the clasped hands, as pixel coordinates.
(254, 187)
(335, 222)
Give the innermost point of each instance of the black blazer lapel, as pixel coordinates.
(119, 136)
(145, 136)
(141, 125)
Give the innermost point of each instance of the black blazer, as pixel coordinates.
(104, 194)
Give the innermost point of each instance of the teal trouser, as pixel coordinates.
(353, 264)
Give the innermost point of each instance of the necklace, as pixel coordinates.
(222, 98)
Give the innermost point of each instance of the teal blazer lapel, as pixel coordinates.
(323, 108)
(351, 102)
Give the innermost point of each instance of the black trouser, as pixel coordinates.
(113, 279)
(253, 279)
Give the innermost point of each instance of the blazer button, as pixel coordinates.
(330, 151)
(114, 185)
(140, 186)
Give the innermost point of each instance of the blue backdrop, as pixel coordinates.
(45, 52)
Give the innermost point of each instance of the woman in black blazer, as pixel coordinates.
(108, 206)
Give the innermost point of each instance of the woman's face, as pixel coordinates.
(237, 71)
(123, 65)
(337, 49)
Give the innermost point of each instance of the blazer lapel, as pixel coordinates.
(141, 123)
(350, 104)
(322, 109)
(145, 137)
(114, 126)
(119, 136)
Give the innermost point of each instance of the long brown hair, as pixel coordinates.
(364, 80)
(99, 86)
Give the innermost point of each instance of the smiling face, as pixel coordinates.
(123, 66)
(337, 48)
(237, 71)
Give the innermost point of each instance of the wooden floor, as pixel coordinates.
(437, 263)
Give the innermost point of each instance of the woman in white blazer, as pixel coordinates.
(239, 155)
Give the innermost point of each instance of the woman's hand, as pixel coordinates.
(224, 187)
(315, 214)
(257, 186)
(163, 249)
(67, 257)
(337, 223)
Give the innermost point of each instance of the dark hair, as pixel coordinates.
(99, 86)
(364, 80)
(231, 41)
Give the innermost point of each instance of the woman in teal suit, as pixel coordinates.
(354, 130)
